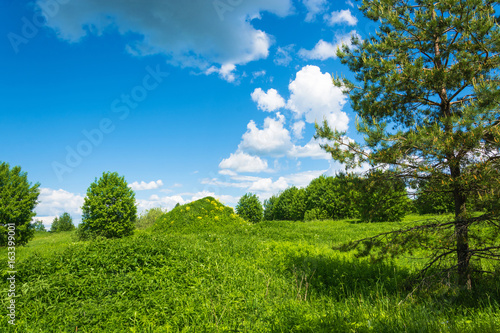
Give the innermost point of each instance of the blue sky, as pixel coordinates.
(183, 98)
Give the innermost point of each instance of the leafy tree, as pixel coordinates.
(250, 208)
(149, 217)
(382, 198)
(63, 223)
(432, 198)
(316, 214)
(109, 208)
(269, 205)
(426, 95)
(38, 226)
(291, 205)
(18, 199)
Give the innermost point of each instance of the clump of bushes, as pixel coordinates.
(63, 223)
(149, 217)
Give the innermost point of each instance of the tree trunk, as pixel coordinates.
(461, 232)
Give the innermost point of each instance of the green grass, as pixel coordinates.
(207, 276)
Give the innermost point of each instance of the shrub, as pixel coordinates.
(38, 226)
(383, 198)
(63, 223)
(149, 217)
(291, 205)
(250, 208)
(109, 208)
(269, 205)
(18, 199)
(316, 214)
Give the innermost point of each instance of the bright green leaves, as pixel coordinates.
(250, 208)
(109, 209)
(18, 199)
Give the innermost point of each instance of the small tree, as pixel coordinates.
(291, 205)
(269, 205)
(149, 217)
(250, 208)
(382, 198)
(63, 223)
(109, 208)
(432, 198)
(38, 226)
(18, 199)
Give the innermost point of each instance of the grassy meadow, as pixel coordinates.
(200, 268)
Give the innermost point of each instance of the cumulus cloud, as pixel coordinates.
(298, 128)
(268, 185)
(243, 162)
(325, 50)
(56, 202)
(314, 97)
(270, 101)
(155, 201)
(200, 34)
(341, 17)
(311, 149)
(142, 186)
(273, 139)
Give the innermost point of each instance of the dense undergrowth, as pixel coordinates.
(218, 273)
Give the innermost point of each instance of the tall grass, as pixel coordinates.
(268, 277)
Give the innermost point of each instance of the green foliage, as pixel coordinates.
(63, 223)
(334, 195)
(383, 198)
(18, 199)
(38, 226)
(427, 98)
(269, 205)
(434, 198)
(291, 205)
(203, 214)
(316, 214)
(109, 208)
(149, 217)
(266, 277)
(250, 208)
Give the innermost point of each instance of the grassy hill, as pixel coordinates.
(218, 273)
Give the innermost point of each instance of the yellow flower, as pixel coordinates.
(216, 218)
(187, 208)
(199, 217)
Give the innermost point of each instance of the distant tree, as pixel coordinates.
(177, 205)
(109, 208)
(250, 208)
(269, 205)
(149, 217)
(38, 226)
(316, 214)
(432, 198)
(291, 205)
(382, 198)
(63, 223)
(18, 199)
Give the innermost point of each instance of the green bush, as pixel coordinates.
(63, 223)
(18, 199)
(382, 198)
(250, 208)
(434, 198)
(269, 205)
(291, 205)
(109, 208)
(316, 214)
(149, 217)
(38, 226)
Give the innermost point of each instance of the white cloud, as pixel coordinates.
(325, 50)
(297, 129)
(155, 201)
(283, 57)
(267, 185)
(142, 186)
(227, 172)
(314, 96)
(340, 17)
(272, 140)
(270, 101)
(311, 149)
(302, 179)
(200, 34)
(314, 7)
(225, 72)
(242, 162)
(56, 202)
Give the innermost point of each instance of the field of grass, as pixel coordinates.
(203, 269)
